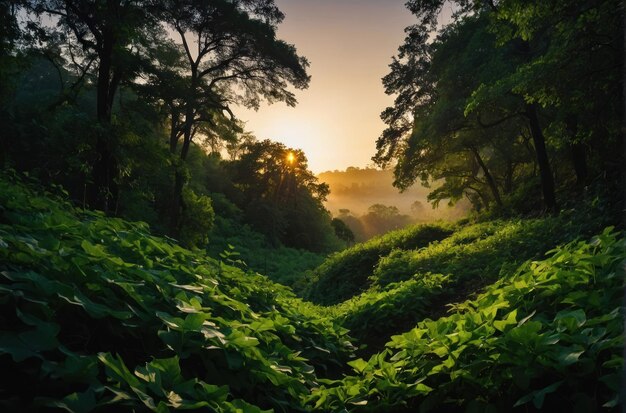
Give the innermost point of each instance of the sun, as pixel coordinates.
(291, 157)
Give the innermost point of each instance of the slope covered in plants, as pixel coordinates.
(98, 315)
(549, 338)
(409, 284)
(345, 274)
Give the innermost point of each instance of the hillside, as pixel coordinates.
(161, 251)
(547, 338)
(102, 315)
(98, 314)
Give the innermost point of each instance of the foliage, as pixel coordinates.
(238, 61)
(383, 218)
(478, 106)
(376, 314)
(282, 198)
(548, 337)
(98, 314)
(477, 253)
(346, 273)
(410, 285)
(197, 219)
(342, 231)
(284, 265)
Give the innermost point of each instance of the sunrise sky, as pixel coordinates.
(349, 44)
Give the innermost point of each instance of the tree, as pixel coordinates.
(342, 231)
(238, 59)
(579, 43)
(445, 143)
(522, 49)
(282, 198)
(380, 219)
(101, 32)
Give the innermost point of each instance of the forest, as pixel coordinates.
(157, 255)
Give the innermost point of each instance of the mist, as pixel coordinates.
(358, 194)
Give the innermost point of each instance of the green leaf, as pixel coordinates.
(567, 356)
(538, 396)
(117, 369)
(96, 251)
(77, 402)
(359, 365)
(511, 319)
(571, 320)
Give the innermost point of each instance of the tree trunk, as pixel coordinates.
(103, 193)
(490, 181)
(179, 179)
(483, 198)
(508, 177)
(578, 152)
(545, 172)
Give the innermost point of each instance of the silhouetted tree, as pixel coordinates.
(486, 85)
(237, 59)
(101, 32)
(283, 198)
(342, 231)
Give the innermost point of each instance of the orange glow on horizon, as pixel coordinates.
(349, 44)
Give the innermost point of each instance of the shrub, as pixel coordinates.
(345, 274)
(197, 219)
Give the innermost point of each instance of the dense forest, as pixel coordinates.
(155, 255)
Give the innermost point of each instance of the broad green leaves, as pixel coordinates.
(541, 337)
(98, 314)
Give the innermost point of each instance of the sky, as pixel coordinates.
(349, 44)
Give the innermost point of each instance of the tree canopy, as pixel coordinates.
(477, 103)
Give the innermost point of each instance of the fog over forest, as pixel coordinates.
(357, 189)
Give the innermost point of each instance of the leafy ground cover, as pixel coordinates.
(97, 314)
(284, 265)
(408, 285)
(345, 274)
(549, 338)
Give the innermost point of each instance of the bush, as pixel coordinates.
(345, 274)
(197, 219)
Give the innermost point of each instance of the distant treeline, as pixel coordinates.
(368, 203)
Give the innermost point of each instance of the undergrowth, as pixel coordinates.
(98, 315)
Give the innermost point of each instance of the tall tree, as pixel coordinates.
(100, 30)
(443, 142)
(231, 55)
(579, 43)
